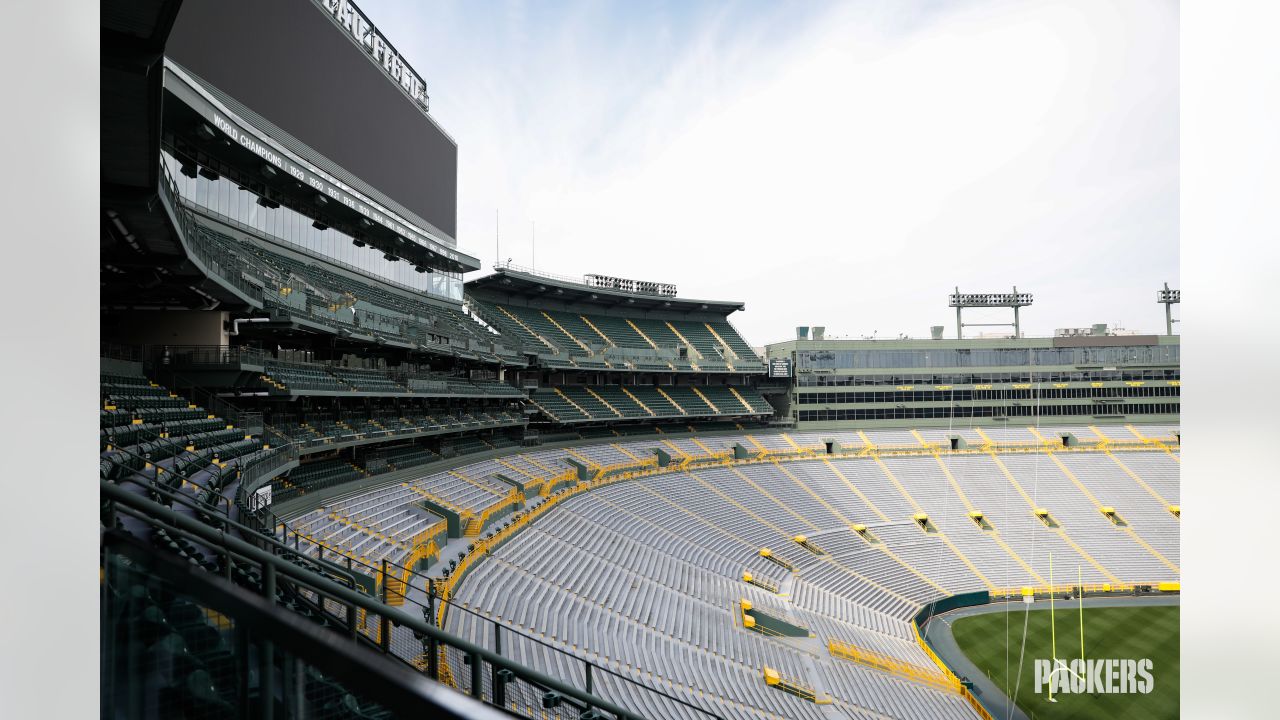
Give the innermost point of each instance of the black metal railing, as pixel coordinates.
(178, 642)
(118, 351)
(195, 356)
(364, 621)
(419, 596)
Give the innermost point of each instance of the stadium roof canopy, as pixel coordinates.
(507, 282)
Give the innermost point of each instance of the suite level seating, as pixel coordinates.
(442, 384)
(321, 429)
(308, 289)
(295, 377)
(305, 377)
(366, 380)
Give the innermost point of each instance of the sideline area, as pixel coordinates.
(940, 636)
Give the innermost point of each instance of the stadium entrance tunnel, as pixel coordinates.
(750, 578)
(1043, 516)
(775, 680)
(766, 624)
(980, 520)
(804, 542)
(767, 554)
(1110, 513)
(922, 519)
(866, 534)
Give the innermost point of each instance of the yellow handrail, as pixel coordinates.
(846, 651)
(964, 691)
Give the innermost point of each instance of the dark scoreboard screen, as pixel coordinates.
(780, 368)
(288, 61)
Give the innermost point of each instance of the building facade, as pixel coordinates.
(1107, 379)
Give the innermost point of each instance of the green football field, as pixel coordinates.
(1112, 632)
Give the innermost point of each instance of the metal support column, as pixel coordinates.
(477, 676)
(384, 633)
(266, 653)
(499, 685)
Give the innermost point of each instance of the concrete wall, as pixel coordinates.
(171, 327)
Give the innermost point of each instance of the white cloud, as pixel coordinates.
(844, 168)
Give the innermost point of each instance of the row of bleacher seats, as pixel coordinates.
(580, 403)
(318, 475)
(159, 444)
(401, 457)
(644, 574)
(142, 422)
(580, 340)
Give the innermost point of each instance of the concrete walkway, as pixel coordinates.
(940, 637)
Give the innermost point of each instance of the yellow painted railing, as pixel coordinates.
(951, 677)
(793, 687)
(928, 676)
(619, 472)
(1060, 588)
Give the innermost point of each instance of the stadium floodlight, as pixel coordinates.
(209, 174)
(319, 225)
(206, 131)
(1013, 300)
(1168, 298)
(389, 257)
(269, 171)
(419, 268)
(319, 200)
(189, 169)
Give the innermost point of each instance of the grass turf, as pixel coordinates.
(1110, 632)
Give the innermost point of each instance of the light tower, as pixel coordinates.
(1014, 300)
(1168, 298)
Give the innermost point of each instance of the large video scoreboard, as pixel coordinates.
(319, 70)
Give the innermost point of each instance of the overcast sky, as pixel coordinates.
(840, 164)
